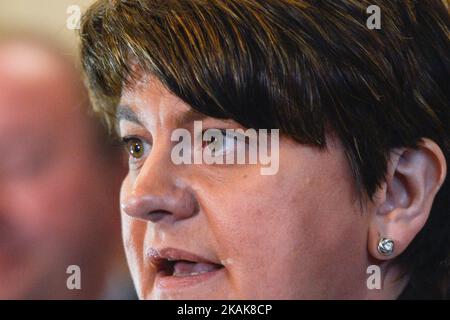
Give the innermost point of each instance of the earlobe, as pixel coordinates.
(413, 178)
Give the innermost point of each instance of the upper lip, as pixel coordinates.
(160, 259)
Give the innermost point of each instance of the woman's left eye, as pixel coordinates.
(218, 141)
(210, 142)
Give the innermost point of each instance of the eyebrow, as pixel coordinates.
(188, 117)
(124, 112)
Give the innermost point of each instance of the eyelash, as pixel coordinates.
(223, 131)
(125, 141)
(134, 161)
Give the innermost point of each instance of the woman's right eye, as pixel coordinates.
(134, 147)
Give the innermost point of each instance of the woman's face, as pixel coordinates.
(231, 231)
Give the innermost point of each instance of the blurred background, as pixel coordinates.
(48, 17)
(60, 174)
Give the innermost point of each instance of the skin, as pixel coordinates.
(298, 234)
(58, 192)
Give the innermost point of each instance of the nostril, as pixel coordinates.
(157, 215)
(146, 208)
(167, 206)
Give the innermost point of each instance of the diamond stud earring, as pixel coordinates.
(385, 246)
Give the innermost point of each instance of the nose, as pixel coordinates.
(158, 194)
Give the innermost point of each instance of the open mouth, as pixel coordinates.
(177, 263)
(184, 268)
(176, 268)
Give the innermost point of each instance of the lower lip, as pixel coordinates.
(163, 281)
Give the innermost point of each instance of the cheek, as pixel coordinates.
(292, 226)
(260, 236)
(130, 239)
(133, 235)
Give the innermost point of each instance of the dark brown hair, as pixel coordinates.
(306, 67)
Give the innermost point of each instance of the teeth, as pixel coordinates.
(184, 269)
(175, 274)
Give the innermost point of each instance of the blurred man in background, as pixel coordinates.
(59, 183)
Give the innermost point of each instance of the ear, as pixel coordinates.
(404, 201)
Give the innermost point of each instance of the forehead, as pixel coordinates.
(153, 103)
